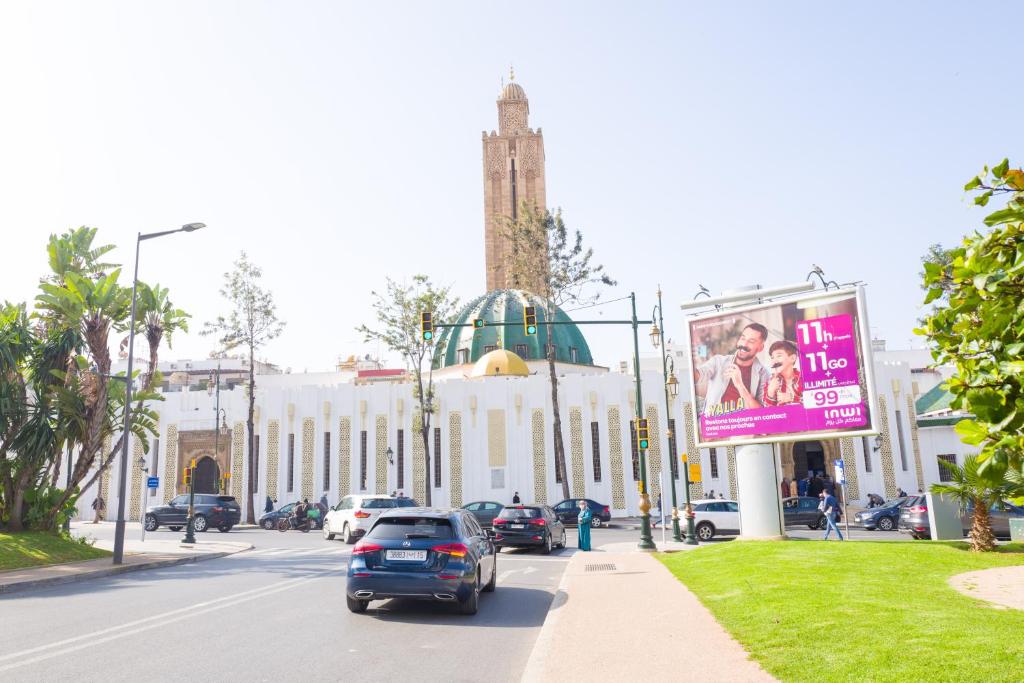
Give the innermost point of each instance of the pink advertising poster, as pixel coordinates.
(780, 371)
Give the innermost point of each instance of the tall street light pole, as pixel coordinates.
(122, 479)
(646, 542)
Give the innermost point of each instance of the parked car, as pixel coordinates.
(569, 509)
(268, 520)
(425, 554)
(885, 517)
(715, 517)
(485, 511)
(538, 526)
(210, 510)
(803, 510)
(355, 514)
(914, 518)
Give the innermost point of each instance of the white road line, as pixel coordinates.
(259, 552)
(157, 620)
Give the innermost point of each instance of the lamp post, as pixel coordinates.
(671, 391)
(646, 542)
(122, 479)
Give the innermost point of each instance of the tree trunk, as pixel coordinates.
(250, 508)
(426, 457)
(982, 539)
(16, 523)
(557, 418)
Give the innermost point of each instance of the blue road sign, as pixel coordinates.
(153, 482)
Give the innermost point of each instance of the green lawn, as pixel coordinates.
(882, 611)
(33, 548)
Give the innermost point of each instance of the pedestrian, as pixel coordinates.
(815, 487)
(394, 494)
(515, 498)
(269, 505)
(794, 489)
(901, 493)
(711, 494)
(98, 506)
(829, 506)
(583, 526)
(721, 496)
(785, 487)
(830, 484)
(323, 502)
(803, 485)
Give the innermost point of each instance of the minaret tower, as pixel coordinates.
(513, 173)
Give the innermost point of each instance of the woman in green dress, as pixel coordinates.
(583, 526)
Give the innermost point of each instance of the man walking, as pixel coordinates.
(515, 498)
(829, 505)
(98, 507)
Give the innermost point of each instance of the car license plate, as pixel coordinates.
(517, 526)
(406, 555)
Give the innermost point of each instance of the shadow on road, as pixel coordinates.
(506, 607)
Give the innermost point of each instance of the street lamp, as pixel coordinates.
(122, 480)
(646, 542)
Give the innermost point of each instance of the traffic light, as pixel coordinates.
(427, 325)
(478, 323)
(186, 477)
(642, 438)
(530, 320)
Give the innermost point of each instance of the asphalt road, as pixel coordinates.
(274, 613)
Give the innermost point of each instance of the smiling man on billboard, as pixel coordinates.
(734, 381)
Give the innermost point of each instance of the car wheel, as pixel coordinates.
(346, 535)
(705, 531)
(268, 524)
(174, 528)
(562, 543)
(822, 523)
(199, 523)
(595, 522)
(471, 604)
(812, 526)
(356, 606)
(546, 550)
(493, 583)
(328, 536)
(224, 528)
(151, 523)
(885, 523)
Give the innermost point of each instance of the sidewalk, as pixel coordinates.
(637, 621)
(137, 556)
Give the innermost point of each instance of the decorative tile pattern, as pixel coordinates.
(135, 504)
(654, 452)
(540, 472)
(692, 453)
(344, 456)
(419, 470)
(615, 457)
(576, 452)
(850, 468)
(912, 416)
(238, 444)
(455, 458)
(273, 455)
(170, 463)
(888, 468)
(496, 448)
(308, 458)
(381, 460)
(105, 478)
(730, 457)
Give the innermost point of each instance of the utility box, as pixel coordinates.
(1017, 530)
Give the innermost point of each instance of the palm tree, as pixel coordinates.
(158, 321)
(972, 486)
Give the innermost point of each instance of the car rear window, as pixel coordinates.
(405, 503)
(519, 513)
(397, 528)
(226, 499)
(378, 503)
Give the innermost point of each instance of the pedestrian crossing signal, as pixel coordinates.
(642, 435)
(427, 326)
(530, 320)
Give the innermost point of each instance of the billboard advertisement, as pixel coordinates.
(784, 371)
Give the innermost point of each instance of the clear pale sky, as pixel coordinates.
(337, 143)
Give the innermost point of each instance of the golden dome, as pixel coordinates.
(500, 363)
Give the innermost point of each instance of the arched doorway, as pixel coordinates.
(207, 475)
(808, 456)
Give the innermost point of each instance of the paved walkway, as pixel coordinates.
(631, 619)
(1002, 586)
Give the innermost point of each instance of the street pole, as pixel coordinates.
(646, 542)
(145, 490)
(67, 520)
(668, 428)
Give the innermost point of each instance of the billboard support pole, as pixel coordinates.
(757, 483)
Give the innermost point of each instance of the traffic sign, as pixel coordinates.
(840, 472)
(153, 482)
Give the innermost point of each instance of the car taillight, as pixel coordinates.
(606, 511)
(538, 522)
(453, 549)
(218, 509)
(919, 508)
(362, 515)
(362, 547)
(499, 522)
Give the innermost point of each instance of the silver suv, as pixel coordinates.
(355, 514)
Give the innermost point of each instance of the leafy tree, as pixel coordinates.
(981, 489)
(398, 327)
(250, 323)
(938, 256)
(565, 276)
(978, 323)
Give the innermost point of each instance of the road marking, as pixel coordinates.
(157, 620)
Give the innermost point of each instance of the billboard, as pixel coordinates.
(784, 371)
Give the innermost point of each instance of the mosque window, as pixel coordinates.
(636, 451)
(574, 355)
(713, 456)
(673, 457)
(490, 347)
(327, 461)
(595, 449)
(291, 463)
(463, 356)
(362, 460)
(400, 459)
(437, 457)
(523, 351)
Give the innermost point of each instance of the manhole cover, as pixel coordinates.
(599, 567)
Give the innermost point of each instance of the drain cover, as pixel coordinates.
(599, 567)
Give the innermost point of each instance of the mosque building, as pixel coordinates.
(356, 429)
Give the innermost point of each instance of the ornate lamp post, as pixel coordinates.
(646, 542)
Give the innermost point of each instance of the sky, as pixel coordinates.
(338, 143)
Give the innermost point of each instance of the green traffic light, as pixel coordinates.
(427, 336)
(531, 330)
(643, 444)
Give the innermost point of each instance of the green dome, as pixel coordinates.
(503, 305)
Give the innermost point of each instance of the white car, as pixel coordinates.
(355, 514)
(715, 517)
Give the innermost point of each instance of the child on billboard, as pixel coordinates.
(784, 385)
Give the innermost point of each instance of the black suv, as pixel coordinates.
(518, 526)
(211, 510)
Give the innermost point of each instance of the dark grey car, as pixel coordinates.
(485, 511)
(914, 518)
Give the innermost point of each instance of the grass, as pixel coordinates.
(883, 611)
(34, 549)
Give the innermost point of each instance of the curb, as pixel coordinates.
(9, 588)
(546, 642)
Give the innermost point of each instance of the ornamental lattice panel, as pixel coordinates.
(540, 478)
(238, 461)
(308, 458)
(344, 456)
(455, 458)
(692, 453)
(850, 468)
(273, 456)
(105, 478)
(419, 470)
(918, 468)
(170, 462)
(653, 452)
(135, 507)
(381, 454)
(730, 457)
(888, 467)
(576, 453)
(615, 457)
